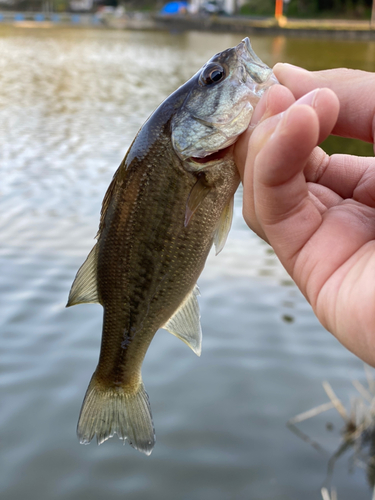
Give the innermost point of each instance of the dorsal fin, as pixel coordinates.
(223, 227)
(85, 288)
(185, 323)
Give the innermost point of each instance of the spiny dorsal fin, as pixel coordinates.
(84, 288)
(197, 194)
(224, 224)
(185, 323)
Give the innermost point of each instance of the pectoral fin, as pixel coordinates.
(225, 222)
(185, 323)
(84, 288)
(198, 193)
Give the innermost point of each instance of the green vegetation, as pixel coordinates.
(339, 9)
(60, 5)
(258, 8)
(143, 5)
(333, 145)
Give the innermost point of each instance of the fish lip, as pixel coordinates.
(254, 66)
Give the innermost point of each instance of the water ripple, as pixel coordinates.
(71, 102)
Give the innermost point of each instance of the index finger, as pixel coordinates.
(354, 88)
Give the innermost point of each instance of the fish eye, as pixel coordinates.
(213, 75)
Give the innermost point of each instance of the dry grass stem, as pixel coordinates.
(311, 413)
(327, 496)
(335, 400)
(363, 391)
(370, 379)
(358, 433)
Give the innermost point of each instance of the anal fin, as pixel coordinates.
(185, 323)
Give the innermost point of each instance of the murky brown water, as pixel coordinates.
(70, 103)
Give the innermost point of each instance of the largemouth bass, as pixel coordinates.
(169, 201)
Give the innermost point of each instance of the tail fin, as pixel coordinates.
(109, 411)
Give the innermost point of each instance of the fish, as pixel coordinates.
(169, 201)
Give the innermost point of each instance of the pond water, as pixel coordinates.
(71, 102)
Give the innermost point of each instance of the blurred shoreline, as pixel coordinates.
(304, 28)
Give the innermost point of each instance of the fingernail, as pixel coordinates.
(308, 99)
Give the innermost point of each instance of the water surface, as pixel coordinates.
(71, 102)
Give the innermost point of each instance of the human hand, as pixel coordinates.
(316, 211)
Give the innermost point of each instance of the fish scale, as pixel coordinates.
(169, 200)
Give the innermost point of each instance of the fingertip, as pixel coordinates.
(294, 137)
(327, 97)
(327, 107)
(260, 108)
(291, 76)
(281, 68)
(270, 103)
(275, 100)
(299, 115)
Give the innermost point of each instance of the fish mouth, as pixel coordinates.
(212, 157)
(254, 66)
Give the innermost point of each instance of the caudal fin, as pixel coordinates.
(109, 411)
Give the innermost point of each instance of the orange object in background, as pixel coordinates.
(278, 8)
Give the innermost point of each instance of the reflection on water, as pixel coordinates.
(71, 101)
